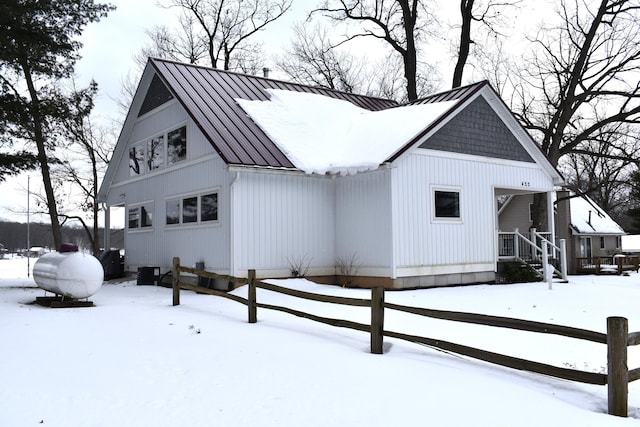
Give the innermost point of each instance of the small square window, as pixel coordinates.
(447, 204)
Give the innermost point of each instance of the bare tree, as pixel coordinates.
(88, 148)
(489, 14)
(395, 22)
(603, 170)
(185, 45)
(583, 76)
(225, 26)
(313, 60)
(581, 80)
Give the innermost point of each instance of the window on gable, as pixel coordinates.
(155, 153)
(136, 160)
(447, 204)
(177, 145)
(158, 152)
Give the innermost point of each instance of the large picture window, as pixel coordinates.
(192, 209)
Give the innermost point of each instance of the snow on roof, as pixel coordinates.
(587, 217)
(322, 135)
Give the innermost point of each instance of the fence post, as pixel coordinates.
(377, 319)
(617, 370)
(251, 297)
(175, 274)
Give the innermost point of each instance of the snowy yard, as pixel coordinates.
(134, 360)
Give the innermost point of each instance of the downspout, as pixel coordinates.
(107, 226)
(393, 218)
(232, 264)
(551, 217)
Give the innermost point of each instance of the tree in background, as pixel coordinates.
(581, 81)
(395, 22)
(603, 172)
(634, 200)
(87, 151)
(224, 29)
(313, 60)
(39, 47)
(486, 13)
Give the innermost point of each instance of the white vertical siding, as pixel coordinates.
(422, 243)
(202, 171)
(279, 218)
(363, 221)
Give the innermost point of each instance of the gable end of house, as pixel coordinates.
(477, 130)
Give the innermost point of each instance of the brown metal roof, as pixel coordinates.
(208, 95)
(452, 94)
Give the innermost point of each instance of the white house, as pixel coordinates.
(242, 172)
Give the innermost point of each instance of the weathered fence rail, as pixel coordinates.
(617, 338)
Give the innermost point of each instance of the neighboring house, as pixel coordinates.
(238, 172)
(592, 237)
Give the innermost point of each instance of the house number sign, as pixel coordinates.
(525, 184)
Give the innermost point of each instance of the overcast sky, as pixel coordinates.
(107, 57)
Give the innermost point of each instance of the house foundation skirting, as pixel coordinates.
(413, 282)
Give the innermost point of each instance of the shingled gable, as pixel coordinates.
(479, 124)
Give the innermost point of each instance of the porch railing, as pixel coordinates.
(536, 250)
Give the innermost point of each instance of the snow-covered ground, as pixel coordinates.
(134, 360)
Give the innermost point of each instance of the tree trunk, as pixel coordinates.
(39, 138)
(465, 41)
(410, 56)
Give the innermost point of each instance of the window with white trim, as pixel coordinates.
(192, 209)
(160, 151)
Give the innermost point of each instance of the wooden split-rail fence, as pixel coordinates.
(617, 338)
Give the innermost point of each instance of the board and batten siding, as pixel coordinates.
(202, 172)
(516, 215)
(363, 222)
(425, 246)
(281, 219)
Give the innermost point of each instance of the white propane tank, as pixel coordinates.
(71, 274)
